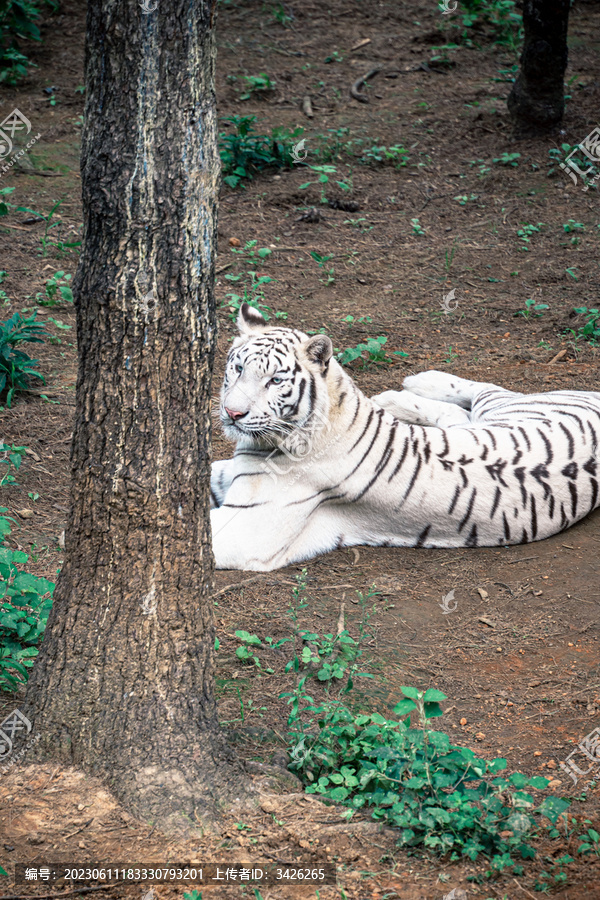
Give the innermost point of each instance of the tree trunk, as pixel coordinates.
(536, 101)
(123, 685)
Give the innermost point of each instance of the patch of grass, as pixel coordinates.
(590, 331)
(19, 20)
(16, 367)
(499, 19)
(25, 603)
(257, 84)
(532, 309)
(57, 288)
(244, 153)
(440, 797)
(374, 350)
(323, 173)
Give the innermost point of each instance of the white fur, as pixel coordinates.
(478, 480)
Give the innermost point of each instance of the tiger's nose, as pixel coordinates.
(234, 414)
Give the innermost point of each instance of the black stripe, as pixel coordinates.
(566, 431)
(472, 539)
(506, 528)
(413, 479)
(594, 487)
(549, 453)
(533, 519)
(364, 431)
(496, 502)
(383, 461)
(520, 476)
(423, 537)
(245, 505)
(401, 460)
(526, 436)
(573, 492)
(467, 515)
(454, 499)
(490, 434)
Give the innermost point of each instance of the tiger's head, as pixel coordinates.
(275, 386)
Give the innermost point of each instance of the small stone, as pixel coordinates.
(554, 783)
(551, 764)
(25, 513)
(234, 242)
(537, 752)
(480, 736)
(81, 845)
(35, 838)
(498, 649)
(463, 721)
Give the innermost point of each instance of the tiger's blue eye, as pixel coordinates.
(239, 368)
(276, 380)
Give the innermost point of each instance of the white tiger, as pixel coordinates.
(446, 462)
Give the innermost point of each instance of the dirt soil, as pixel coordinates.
(518, 656)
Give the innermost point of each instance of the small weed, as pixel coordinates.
(572, 273)
(591, 330)
(360, 224)
(591, 841)
(10, 460)
(321, 260)
(324, 172)
(192, 895)
(508, 159)
(463, 199)
(395, 156)
(416, 227)
(257, 84)
(16, 367)
(374, 350)
(451, 355)
(572, 225)
(362, 320)
(4, 204)
(56, 289)
(244, 153)
(532, 309)
(526, 231)
(282, 16)
(24, 609)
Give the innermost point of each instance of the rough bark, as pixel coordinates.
(536, 102)
(123, 685)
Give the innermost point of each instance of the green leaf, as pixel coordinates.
(404, 707)
(432, 710)
(553, 807)
(410, 692)
(432, 694)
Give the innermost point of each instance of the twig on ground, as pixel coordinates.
(355, 91)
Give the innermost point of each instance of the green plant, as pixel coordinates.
(500, 18)
(25, 603)
(572, 225)
(373, 347)
(396, 156)
(532, 309)
(18, 21)
(4, 205)
(253, 294)
(58, 244)
(526, 231)
(57, 284)
(324, 172)
(362, 320)
(508, 159)
(281, 15)
(591, 841)
(16, 367)
(451, 355)
(556, 876)
(321, 260)
(463, 199)
(259, 84)
(244, 153)
(416, 227)
(192, 895)
(10, 459)
(590, 331)
(440, 797)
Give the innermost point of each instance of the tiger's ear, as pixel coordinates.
(319, 349)
(250, 319)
